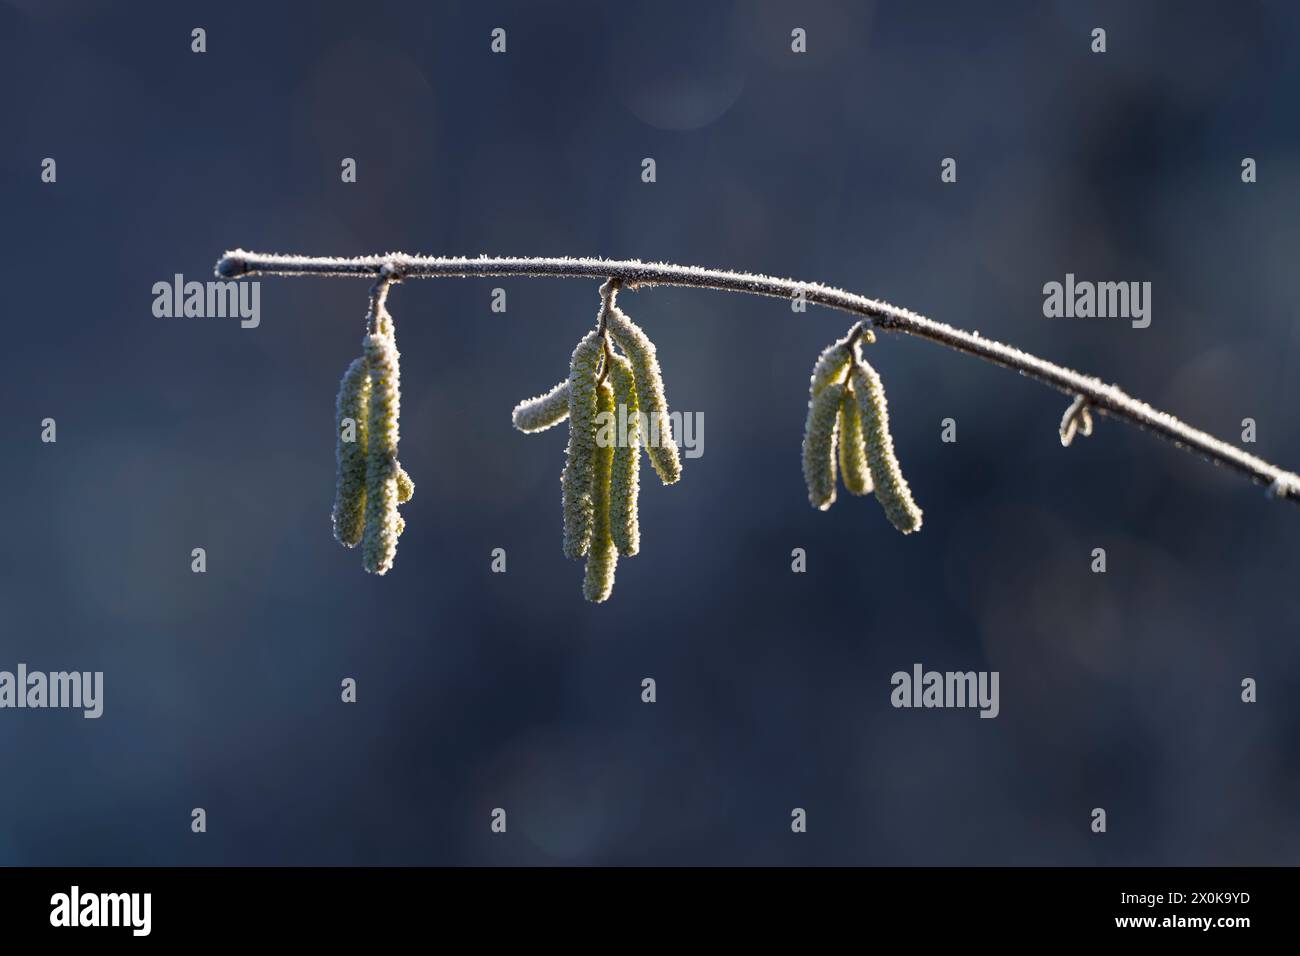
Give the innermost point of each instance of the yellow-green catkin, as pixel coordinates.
(625, 478)
(891, 488)
(579, 464)
(351, 412)
(819, 444)
(602, 555)
(854, 470)
(659, 443)
(544, 411)
(405, 486)
(383, 524)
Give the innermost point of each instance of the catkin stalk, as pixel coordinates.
(579, 464)
(602, 556)
(854, 470)
(819, 445)
(540, 413)
(349, 514)
(383, 525)
(834, 360)
(891, 488)
(625, 478)
(650, 392)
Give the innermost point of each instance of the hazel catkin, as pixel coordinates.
(854, 470)
(576, 479)
(544, 411)
(602, 556)
(891, 488)
(351, 413)
(379, 542)
(659, 443)
(819, 444)
(625, 477)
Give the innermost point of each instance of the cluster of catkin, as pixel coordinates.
(848, 425)
(371, 483)
(614, 388)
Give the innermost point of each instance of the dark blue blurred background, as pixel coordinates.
(479, 690)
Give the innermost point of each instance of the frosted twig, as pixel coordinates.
(1097, 396)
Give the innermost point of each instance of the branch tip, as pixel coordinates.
(231, 266)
